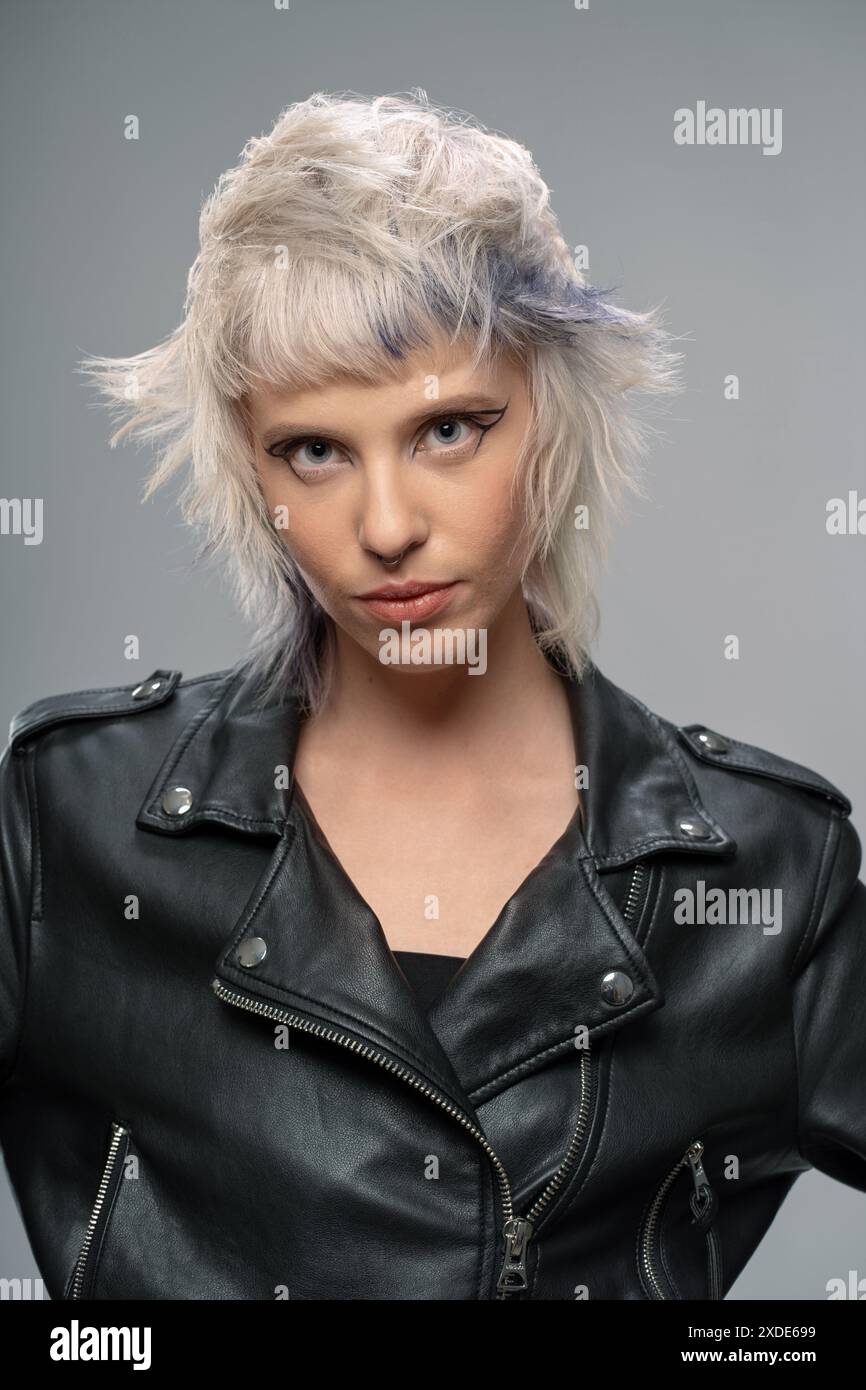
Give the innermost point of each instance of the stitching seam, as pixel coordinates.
(25, 992)
(822, 877)
(814, 916)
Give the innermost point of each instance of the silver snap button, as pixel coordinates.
(617, 987)
(146, 689)
(177, 801)
(696, 829)
(252, 951)
(712, 742)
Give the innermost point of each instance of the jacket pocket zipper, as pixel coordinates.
(85, 1265)
(704, 1204)
(516, 1230)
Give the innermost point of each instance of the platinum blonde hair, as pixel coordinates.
(354, 231)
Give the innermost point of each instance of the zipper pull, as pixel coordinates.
(703, 1201)
(512, 1276)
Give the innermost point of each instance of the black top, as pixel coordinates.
(427, 973)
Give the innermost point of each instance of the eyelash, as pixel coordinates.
(289, 446)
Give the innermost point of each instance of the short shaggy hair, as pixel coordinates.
(353, 232)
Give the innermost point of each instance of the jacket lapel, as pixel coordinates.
(537, 975)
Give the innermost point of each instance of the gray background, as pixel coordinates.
(759, 260)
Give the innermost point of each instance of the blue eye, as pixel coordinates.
(315, 458)
(453, 439)
(319, 459)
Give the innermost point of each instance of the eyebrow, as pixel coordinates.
(468, 401)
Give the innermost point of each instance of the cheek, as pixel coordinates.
(308, 528)
(314, 544)
(489, 527)
(275, 493)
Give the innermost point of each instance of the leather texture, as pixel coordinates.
(643, 1090)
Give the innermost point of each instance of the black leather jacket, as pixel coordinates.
(218, 1084)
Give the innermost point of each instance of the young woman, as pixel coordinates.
(410, 958)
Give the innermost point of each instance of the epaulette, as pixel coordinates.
(722, 751)
(101, 703)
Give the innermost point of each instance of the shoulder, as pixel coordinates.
(711, 748)
(781, 813)
(706, 758)
(94, 709)
(778, 818)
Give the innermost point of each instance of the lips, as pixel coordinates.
(411, 589)
(408, 602)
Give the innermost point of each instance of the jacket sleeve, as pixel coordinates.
(15, 900)
(829, 992)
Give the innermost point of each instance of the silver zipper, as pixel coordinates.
(117, 1133)
(634, 891)
(516, 1230)
(517, 1234)
(703, 1193)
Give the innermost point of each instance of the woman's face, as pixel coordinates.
(422, 466)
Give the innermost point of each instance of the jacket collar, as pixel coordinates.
(640, 798)
(515, 1003)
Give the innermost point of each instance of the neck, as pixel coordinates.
(423, 714)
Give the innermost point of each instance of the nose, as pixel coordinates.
(392, 519)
